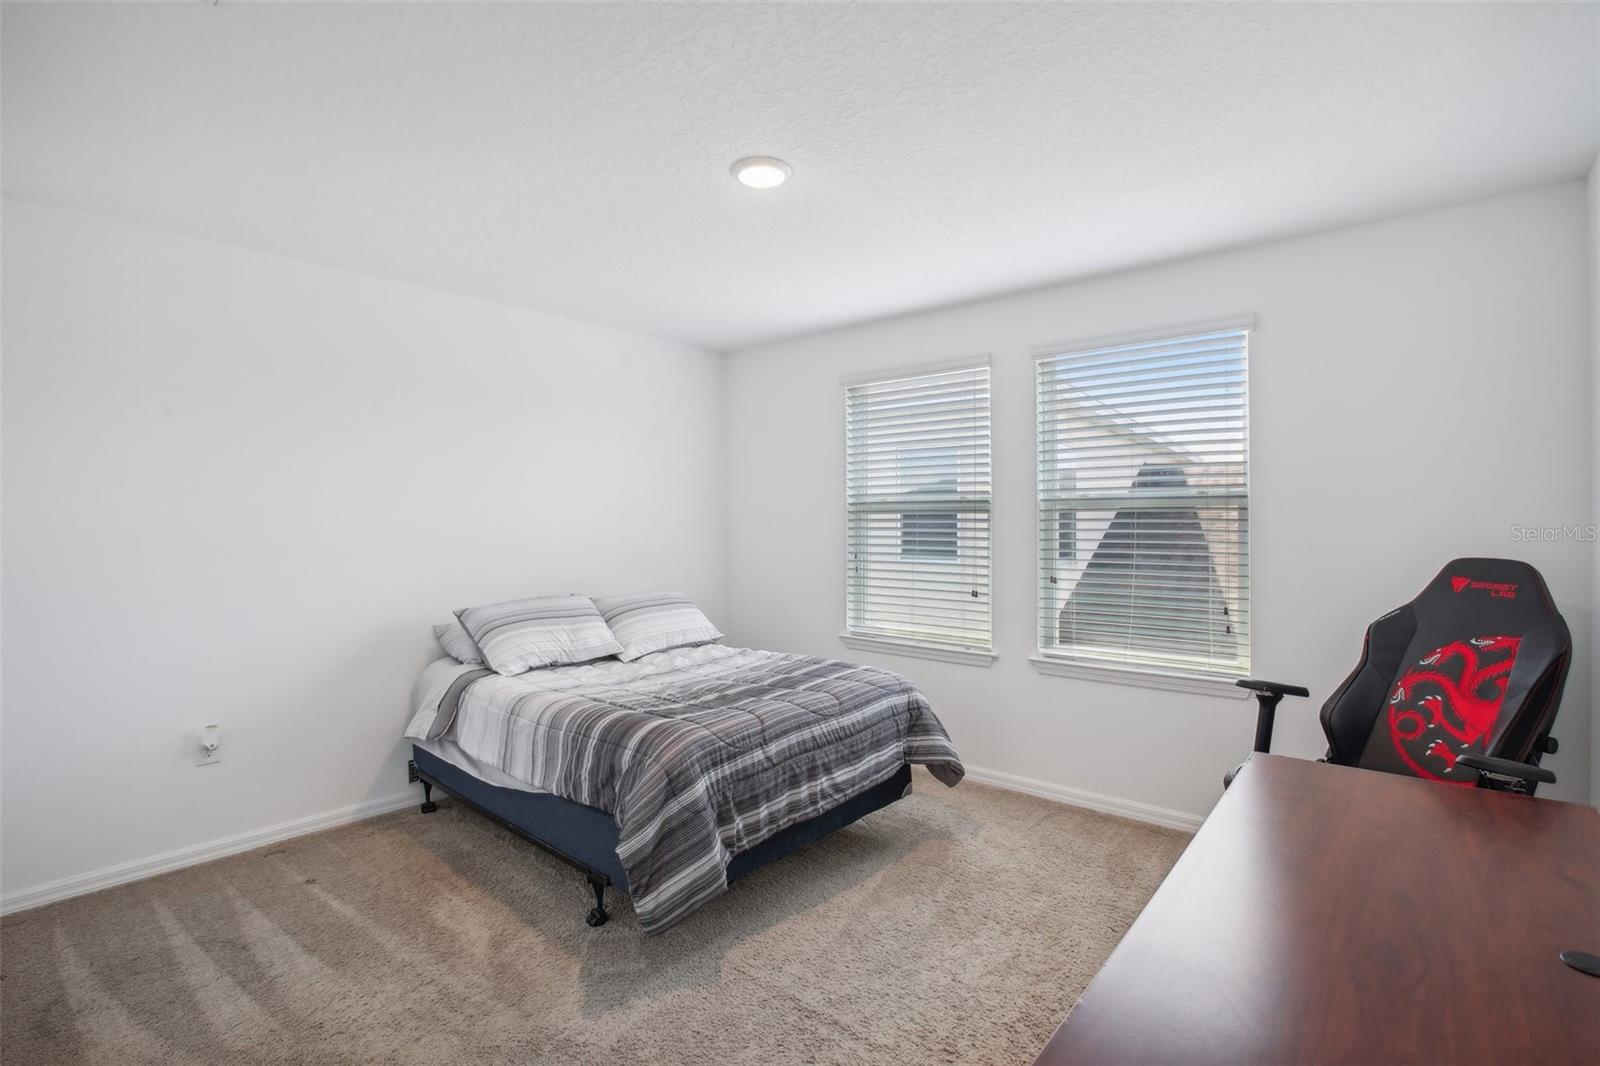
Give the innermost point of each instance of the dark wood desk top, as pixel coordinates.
(1326, 914)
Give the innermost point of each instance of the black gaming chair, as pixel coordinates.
(1460, 685)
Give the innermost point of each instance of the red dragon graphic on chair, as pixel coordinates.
(1448, 704)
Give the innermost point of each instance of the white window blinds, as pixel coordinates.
(917, 497)
(1144, 504)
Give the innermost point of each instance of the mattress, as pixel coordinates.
(449, 751)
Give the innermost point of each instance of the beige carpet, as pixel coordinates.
(954, 926)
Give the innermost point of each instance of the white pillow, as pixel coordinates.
(644, 622)
(521, 635)
(456, 644)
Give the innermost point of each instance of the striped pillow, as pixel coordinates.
(523, 635)
(456, 644)
(655, 621)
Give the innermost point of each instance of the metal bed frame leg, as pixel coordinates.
(597, 881)
(598, 916)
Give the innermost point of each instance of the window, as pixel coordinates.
(928, 535)
(1066, 523)
(917, 499)
(1144, 504)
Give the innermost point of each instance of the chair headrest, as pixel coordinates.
(1506, 594)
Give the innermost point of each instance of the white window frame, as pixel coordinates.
(887, 643)
(1060, 663)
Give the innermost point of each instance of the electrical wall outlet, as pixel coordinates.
(208, 746)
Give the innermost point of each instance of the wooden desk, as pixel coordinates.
(1326, 914)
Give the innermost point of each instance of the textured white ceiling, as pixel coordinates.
(574, 158)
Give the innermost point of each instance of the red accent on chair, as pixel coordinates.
(1449, 703)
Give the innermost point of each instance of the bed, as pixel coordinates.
(670, 777)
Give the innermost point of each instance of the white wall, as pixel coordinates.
(240, 489)
(1418, 386)
(1594, 414)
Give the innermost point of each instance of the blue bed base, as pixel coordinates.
(586, 837)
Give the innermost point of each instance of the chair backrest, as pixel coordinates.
(1475, 663)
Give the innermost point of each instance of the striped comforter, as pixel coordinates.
(699, 753)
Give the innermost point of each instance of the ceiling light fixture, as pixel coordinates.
(761, 172)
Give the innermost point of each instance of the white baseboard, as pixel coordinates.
(138, 869)
(1094, 801)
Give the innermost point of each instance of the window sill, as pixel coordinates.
(1106, 673)
(890, 646)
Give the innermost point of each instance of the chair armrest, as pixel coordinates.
(1268, 695)
(1277, 688)
(1517, 771)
